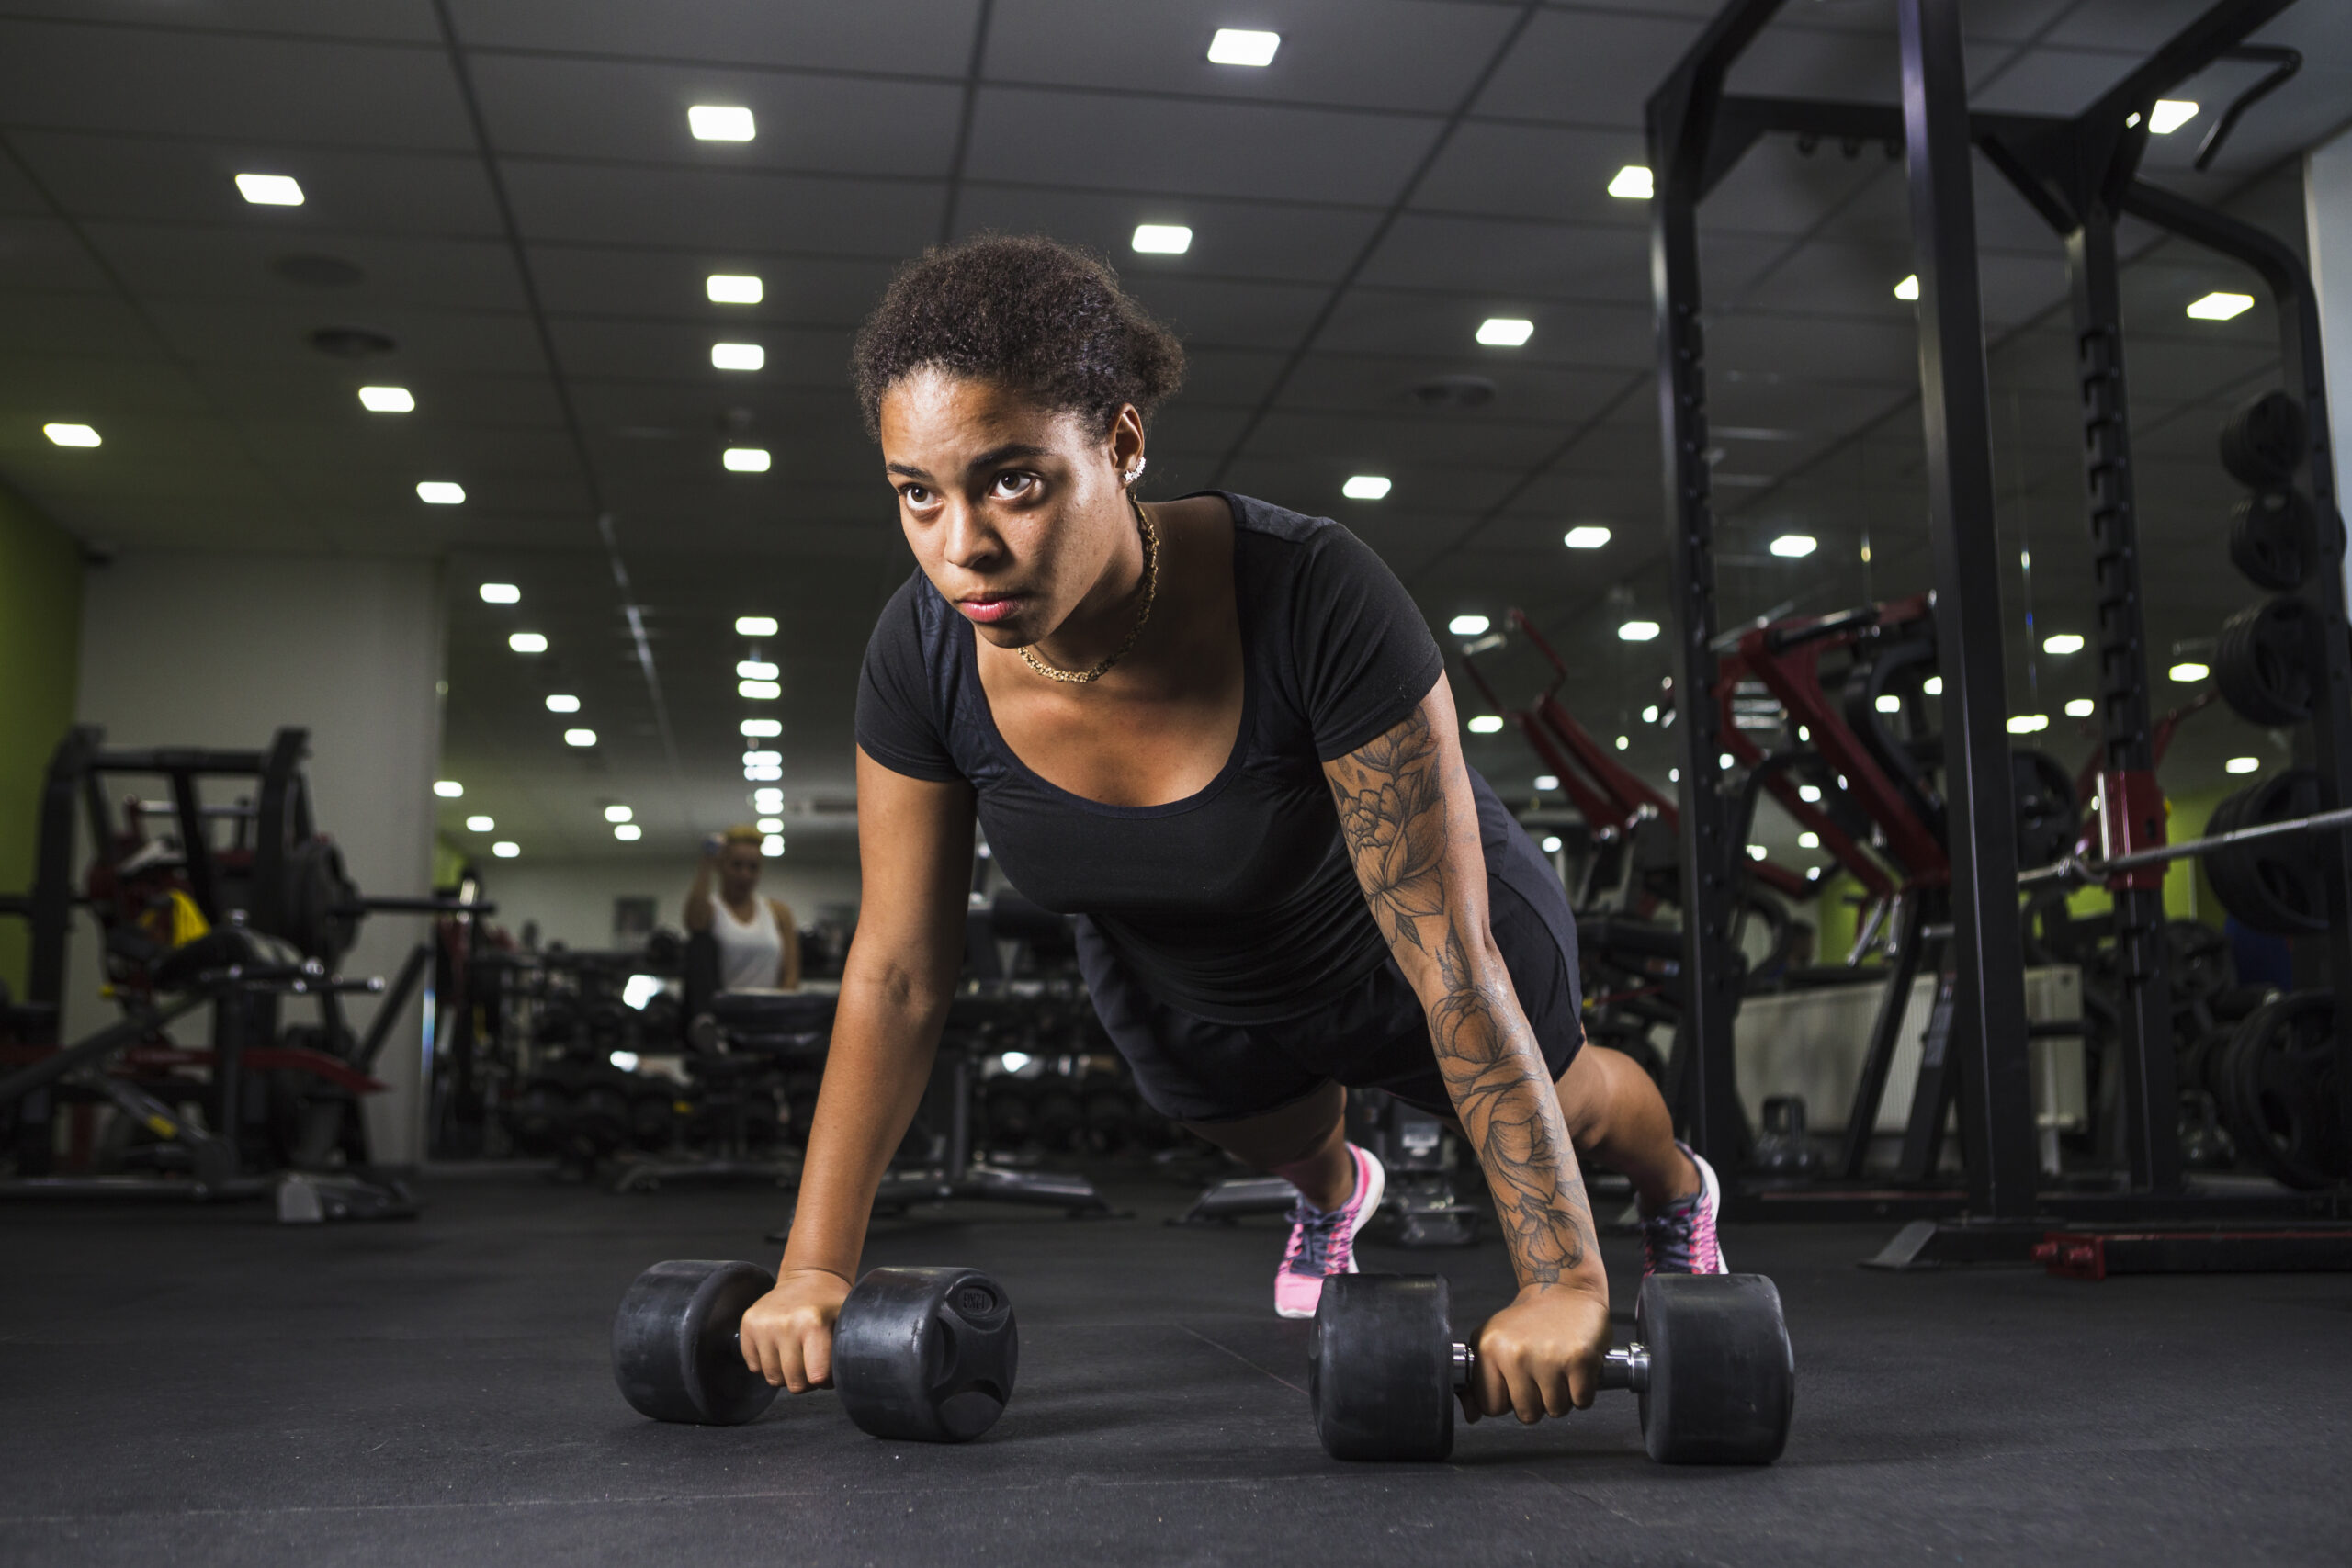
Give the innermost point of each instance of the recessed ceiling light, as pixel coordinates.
(1794, 546)
(1631, 184)
(763, 774)
(1638, 631)
(1908, 289)
(1808, 840)
(1162, 239)
(763, 759)
(1551, 843)
(755, 626)
(1468, 625)
(738, 355)
(1809, 794)
(2243, 764)
(2081, 707)
(527, 642)
(2189, 672)
(732, 288)
(449, 789)
(580, 737)
(770, 824)
(755, 669)
(387, 400)
(479, 824)
(772, 845)
(759, 691)
(1586, 537)
(628, 832)
(2063, 642)
(1725, 761)
(760, 728)
(71, 434)
(1756, 852)
(501, 594)
(1505, 332)
(1239, 46)
(745, 460)
(1486, 722)
(2170, 115)
(1548, 781)
(768, 800)
(561, 702)
(1889, 702)
(1625, 742)
(270, 190)
(2026, 722)
(2219, 307)
(506, 848)
(617, 814)
(1365, 486)
(440, 493)
(1933, 686)
(720, 122)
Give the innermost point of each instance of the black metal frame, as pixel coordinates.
(2080, 173)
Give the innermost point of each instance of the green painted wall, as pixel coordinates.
(40, 643)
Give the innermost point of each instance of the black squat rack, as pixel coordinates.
(2082, 175)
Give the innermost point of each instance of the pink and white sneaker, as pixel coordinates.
(1322, 1244)
(1681, 1238)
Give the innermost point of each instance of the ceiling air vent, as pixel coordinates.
(351, 342)
(1455, 393)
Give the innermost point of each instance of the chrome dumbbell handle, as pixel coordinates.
(1627, 1367)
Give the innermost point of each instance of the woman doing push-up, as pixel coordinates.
(1220, 734)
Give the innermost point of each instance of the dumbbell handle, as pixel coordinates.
(1626, 1367)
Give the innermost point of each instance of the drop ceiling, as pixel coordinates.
(524, 215)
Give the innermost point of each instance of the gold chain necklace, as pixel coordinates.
(1150, 592)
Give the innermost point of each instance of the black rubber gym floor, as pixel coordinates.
(211, 1388)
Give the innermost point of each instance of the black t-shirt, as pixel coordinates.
(1238, 903)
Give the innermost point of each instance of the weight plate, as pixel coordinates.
(2198, 962)
(1380, 1367)
(2274, 884)
(2273, 536)
(2265, 659)
(2048, 818)
(675, 1353)
(2263, 443)
(1722, 1382)
(927, 1355)
(2282, 1105)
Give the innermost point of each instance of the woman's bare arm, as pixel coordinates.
(915, 853)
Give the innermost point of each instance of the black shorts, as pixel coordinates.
(1374, 1035)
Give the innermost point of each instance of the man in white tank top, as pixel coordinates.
(759, 947)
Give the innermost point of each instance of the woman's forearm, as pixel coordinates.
(885, 1038)
(1495, 1072)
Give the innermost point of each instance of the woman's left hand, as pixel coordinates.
(1541, 1355)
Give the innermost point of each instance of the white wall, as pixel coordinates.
(2327, 207)
(572, 900)
(215, 648)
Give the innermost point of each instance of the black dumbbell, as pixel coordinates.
(922, 1354)
(1713, 1367)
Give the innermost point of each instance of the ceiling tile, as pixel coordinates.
(911, 37)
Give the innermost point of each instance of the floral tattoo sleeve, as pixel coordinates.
(1406, 816)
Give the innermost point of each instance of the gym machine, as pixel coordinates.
(2081, 176)
(195, 917)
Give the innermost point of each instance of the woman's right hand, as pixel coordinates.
(787, 1335)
